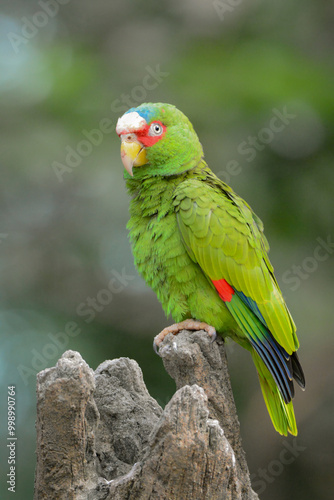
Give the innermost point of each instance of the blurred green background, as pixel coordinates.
(67, 70)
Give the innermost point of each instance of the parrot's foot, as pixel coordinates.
(188, 324)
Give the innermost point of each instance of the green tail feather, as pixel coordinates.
(281, 414)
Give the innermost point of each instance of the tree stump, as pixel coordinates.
(102, 436)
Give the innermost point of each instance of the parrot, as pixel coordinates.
(202, 250)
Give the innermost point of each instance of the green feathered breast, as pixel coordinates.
(163, 260)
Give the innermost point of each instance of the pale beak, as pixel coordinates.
(133, 154)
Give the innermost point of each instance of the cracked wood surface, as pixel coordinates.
(102, 436)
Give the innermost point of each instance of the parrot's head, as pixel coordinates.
(157, 140)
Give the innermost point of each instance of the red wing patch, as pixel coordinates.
(225, 290)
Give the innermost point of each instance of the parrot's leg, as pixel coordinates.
(188, 324)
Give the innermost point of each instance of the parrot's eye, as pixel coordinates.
(155, 129)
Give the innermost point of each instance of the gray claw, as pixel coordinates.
(156, 349)
(213, 337)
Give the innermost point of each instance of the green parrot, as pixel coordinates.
(201, 248)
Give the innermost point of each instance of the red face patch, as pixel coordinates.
(151, 134)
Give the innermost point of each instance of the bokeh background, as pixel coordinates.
(68, 69)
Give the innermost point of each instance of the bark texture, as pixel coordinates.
(102, 436)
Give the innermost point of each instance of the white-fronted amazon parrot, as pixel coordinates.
(201, 248)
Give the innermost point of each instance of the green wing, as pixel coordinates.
(226, 239)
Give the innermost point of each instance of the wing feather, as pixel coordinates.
(226, 239)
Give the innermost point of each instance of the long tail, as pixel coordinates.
(281, 414)
(276, 368)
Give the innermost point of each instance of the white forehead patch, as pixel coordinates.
(130, 122)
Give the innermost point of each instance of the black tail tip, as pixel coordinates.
(298, 373)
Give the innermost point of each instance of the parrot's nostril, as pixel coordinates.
(129, 137)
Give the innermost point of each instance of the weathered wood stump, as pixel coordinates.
(102, 436)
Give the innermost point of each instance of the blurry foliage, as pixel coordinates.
(60, 241)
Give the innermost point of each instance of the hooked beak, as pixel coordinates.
(133, 154)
